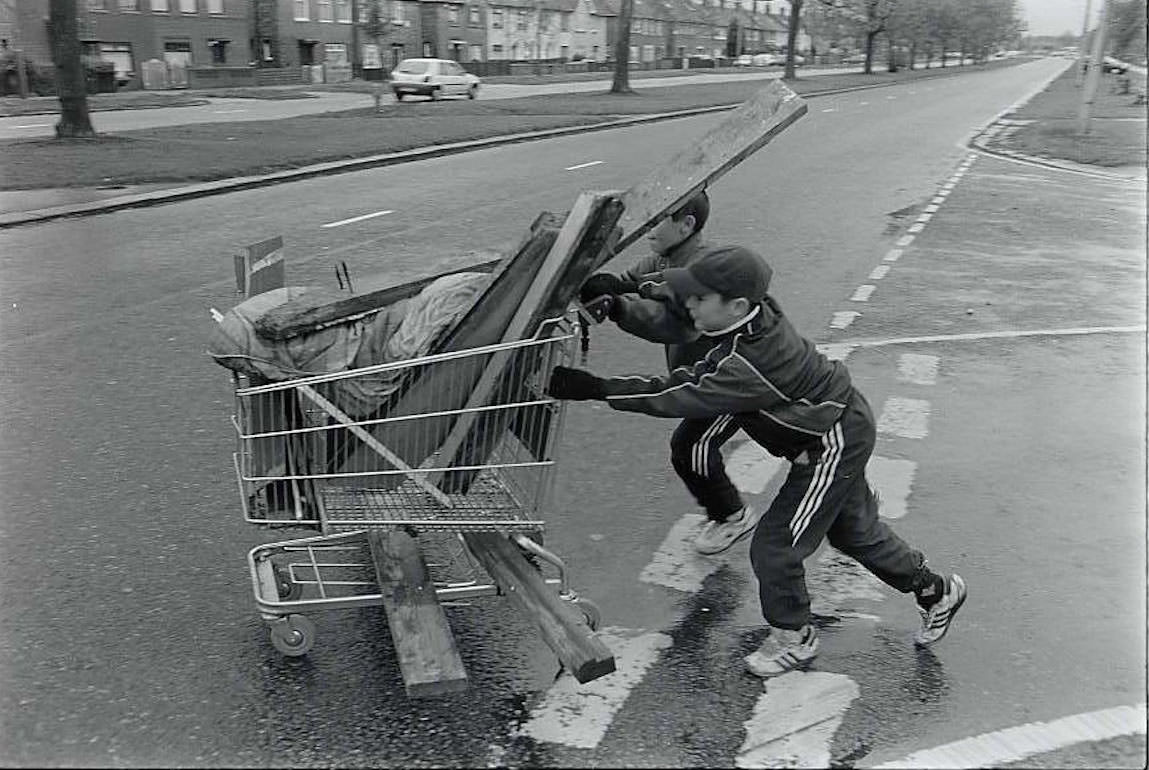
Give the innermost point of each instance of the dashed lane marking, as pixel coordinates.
(892, 479)
(977, 336)
(905, 417)
(579, 715)
(918, 368)
(904, 241)
(1016, 743)
(879, 272)
(352, 220)
(916, 227)
(583, 165)
(794, 721)
(892, 255)
(843, 318)
(863, 292)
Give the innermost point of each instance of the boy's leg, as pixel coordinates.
(696, 457)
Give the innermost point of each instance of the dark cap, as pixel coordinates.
(732, 271)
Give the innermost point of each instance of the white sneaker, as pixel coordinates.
(784, 651)
(717, 536)
(936, 620)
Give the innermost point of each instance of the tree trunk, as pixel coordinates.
(621, 84)
(913, 53)
(356, 48)
(870, 38)
(70, 82)
(792, 38)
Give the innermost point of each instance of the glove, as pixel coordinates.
(604, 283)
(575, 385)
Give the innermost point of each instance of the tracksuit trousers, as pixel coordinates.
(825, 495)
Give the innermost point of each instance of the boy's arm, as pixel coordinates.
(654, 320)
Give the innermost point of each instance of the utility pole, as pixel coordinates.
(1080, 75)
(356, 49)
(1093, 78)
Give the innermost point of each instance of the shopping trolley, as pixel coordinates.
(355, 452)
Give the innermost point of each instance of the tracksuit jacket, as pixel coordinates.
(761, 369)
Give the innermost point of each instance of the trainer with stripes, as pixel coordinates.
(762, 376)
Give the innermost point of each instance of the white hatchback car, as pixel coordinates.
(433, 78)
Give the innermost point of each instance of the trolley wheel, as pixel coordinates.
(293, 636)
(287, 588)
(590, 612)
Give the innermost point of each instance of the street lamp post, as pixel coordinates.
(1080, 75)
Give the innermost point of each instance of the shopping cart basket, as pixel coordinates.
(344, 453)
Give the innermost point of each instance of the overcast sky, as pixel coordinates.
(1052, 17)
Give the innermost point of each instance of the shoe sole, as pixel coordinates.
(730, 545)
(799, 667)
(946, 630)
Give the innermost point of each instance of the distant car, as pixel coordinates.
(745, 60)
(1109, 64)
(765, 59)
(855, 58)
(434, 78)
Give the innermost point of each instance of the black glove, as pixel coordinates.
(601, 284)
(575, 385)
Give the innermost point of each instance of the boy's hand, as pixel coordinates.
(601, 284)
(575, 385)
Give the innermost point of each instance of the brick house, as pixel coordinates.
(453, 30)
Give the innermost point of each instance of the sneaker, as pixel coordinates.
(936, 620)
(717, 536)
(784, 651)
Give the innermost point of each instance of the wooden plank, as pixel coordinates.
(561, 624)
(424, 645)
(585, 234)
(287, 320)
(745, 130)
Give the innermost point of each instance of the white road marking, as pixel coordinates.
(583, 165)
(836, 583)
(843, 318)
(831, 109)
(926, 217)
(948, 186)
(226, 112)
(975, 336)
(35, 125)
(904, 241)
(676, 564)
(892, 255)
(918, 368)
(879, 272)
(916, 227)
(930, 209)
(836, 351)
(863, 292)
(1016, 743)
(905, 417)
(751, 467)
(579, 715)
(358, 218)
(893, 480)
(795, 720)
(863, 103)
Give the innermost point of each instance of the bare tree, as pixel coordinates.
(71, 84)
(621, 84)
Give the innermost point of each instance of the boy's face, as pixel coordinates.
(712, 312)
(669, 233)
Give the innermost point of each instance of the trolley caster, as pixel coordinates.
(293, 636)
(590, 612)
(287, 589)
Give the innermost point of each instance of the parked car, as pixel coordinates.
(1109, 64)
(765, 59)
(745, 60)
(854, 58)
(434, 78)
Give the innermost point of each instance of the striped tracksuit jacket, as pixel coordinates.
(765, 378)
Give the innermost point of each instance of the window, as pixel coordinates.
(496, 18)
(301, 10)
(335, 54)
(473, 15)
(497, 51)
(120, 55)
(396, 12)
(343, 11)
(129, 5)
(265, 50)
(218, 51)
(159, 6)
(325, 13)
(476, 52)
(215, 6)
(565, 22)
(453, 14)
(187, 6)
(522, 20)
(428, 51)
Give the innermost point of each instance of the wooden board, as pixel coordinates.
(561, 624)
(424, 645)
(745, 130)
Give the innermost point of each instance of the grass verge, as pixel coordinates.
(1116, 134)
(211, 151)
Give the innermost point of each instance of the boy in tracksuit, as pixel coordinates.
(696, 445)
(765, 378)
